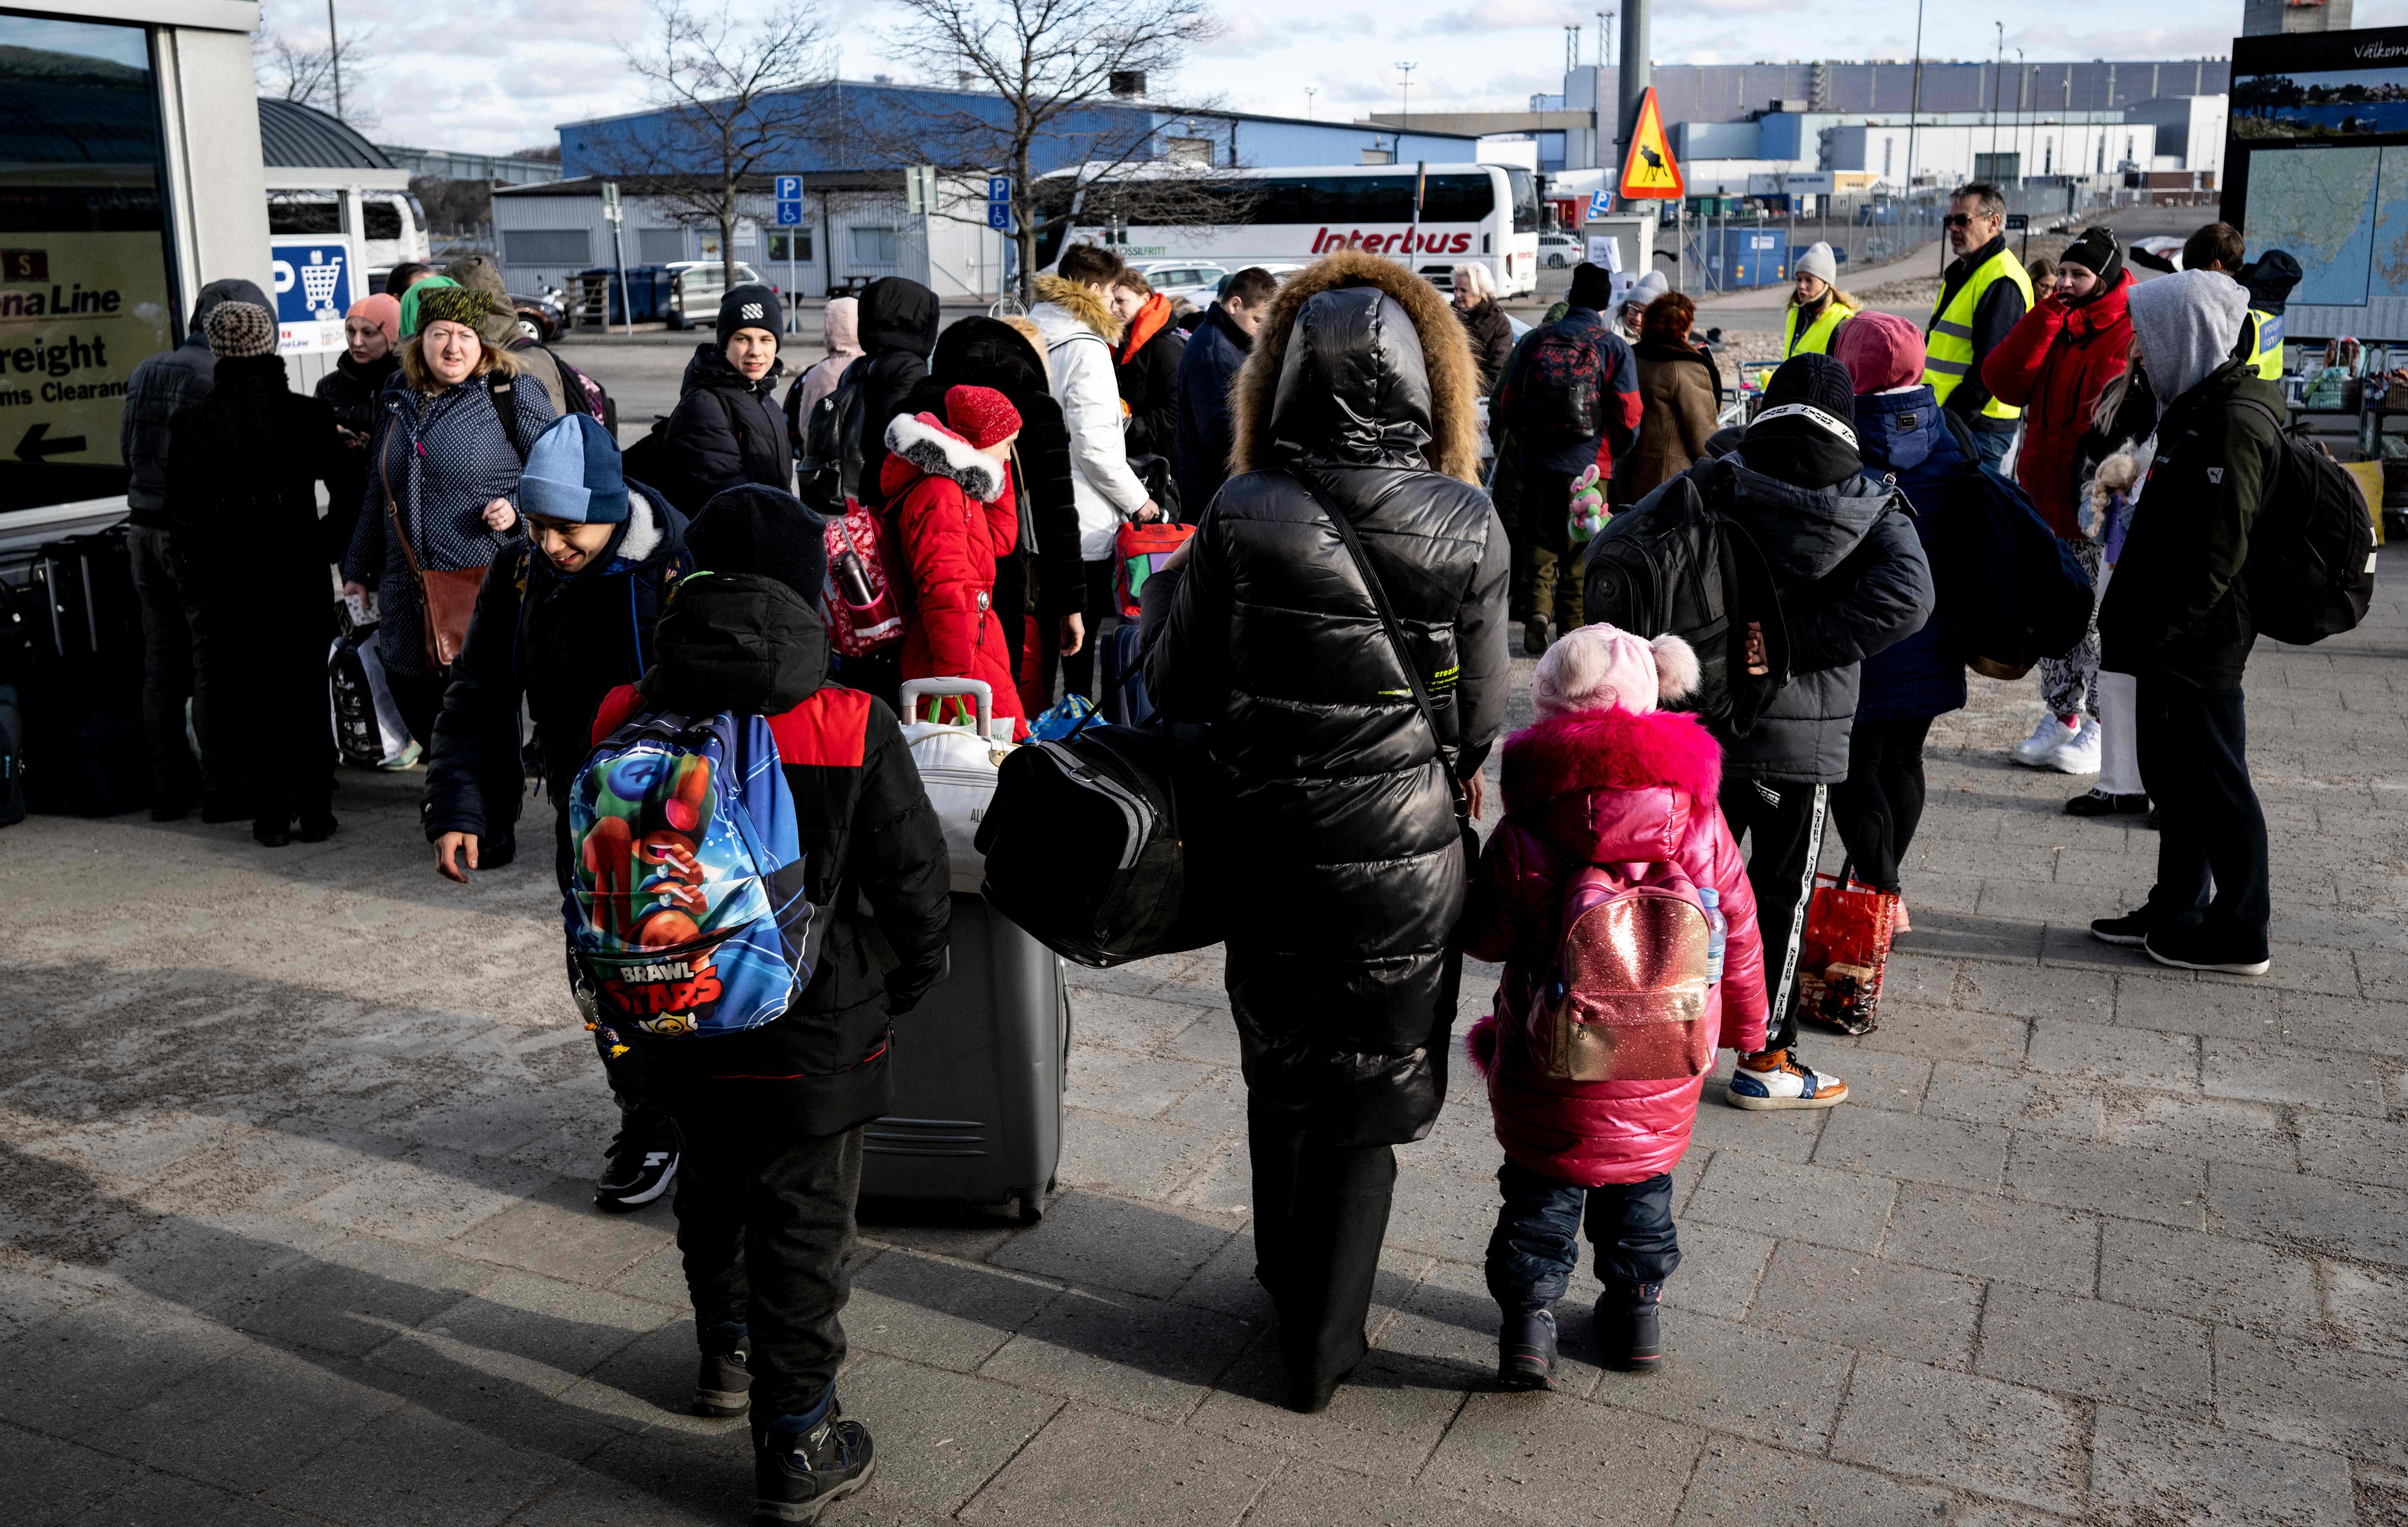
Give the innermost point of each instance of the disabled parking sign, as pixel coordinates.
(313, 288)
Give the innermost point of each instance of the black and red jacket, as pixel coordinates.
(870, 840)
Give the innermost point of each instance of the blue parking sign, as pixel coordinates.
(998, 215)
(790, 214)
(998, 188)
(790, 188)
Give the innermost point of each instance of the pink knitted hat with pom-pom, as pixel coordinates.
(1597, 666)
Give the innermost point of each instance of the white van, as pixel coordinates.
(393, 224)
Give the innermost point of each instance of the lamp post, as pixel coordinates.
(1915, 101)
(1997, 78)
(1405, 111)
(1309, 92)
(335, 53)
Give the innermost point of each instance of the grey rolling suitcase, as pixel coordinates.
(979, 1069)
(981, 1064)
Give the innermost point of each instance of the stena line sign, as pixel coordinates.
(1326, 240)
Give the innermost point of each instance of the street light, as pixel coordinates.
(1309, 92)
(1997, 78)
(1404, 115)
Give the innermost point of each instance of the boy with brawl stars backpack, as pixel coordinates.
(760, 884)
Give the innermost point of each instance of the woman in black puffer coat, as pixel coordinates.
(1342, 970)
(370, 332)
(1042, 575)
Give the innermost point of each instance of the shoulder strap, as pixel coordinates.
(392, 513)
(1313, 490)
(505, 395)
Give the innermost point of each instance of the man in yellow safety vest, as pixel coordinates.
(2270, 278)
(1818, 307)
(1984, 293)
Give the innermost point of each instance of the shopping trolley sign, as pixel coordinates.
(313, 288)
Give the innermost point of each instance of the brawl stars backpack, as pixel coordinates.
(686, 910)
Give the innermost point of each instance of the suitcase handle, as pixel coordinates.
(915, 690)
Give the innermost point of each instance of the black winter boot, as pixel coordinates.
(723, 1385)
(1526, 1350)
(1628, 1333)
(798, 1471)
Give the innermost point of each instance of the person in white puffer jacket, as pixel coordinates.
(1080, 331)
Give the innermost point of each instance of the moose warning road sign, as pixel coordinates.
(1650, 170)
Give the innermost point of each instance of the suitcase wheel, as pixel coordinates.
(1032, 1206)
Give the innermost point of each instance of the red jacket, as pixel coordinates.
(1602, 787)
(955, 514)
(2053, 365)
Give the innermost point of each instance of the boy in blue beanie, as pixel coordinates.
(563, 618)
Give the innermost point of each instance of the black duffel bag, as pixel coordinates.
(1103, 846)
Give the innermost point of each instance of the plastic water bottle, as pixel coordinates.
(1717, 934)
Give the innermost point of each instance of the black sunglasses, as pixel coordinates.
(1961, 220)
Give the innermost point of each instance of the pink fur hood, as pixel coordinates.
(1613, 783)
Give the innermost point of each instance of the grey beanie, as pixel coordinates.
(1646, 289)
(1820, 263)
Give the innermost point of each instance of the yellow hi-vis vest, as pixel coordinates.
(1817, 341)
(2266, 344)
(1948, 344)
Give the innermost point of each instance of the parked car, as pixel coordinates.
(1558, 250)
(542, 318)
(699, 286)
(1198, 281)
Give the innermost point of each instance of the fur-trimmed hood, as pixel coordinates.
(1355, 393)
(1080, 304)
(919, 444)
(1609, 786)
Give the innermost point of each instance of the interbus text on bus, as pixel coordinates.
(1324, 241)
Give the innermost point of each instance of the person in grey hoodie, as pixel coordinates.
(2177, 618)
(174, 631)
(1851, 579)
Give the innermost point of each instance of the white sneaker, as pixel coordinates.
(2080, 755)
(1778, 1080)
(2048, 735)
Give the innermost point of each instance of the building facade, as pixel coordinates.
(133, 175)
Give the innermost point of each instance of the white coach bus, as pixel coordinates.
(1471, 214)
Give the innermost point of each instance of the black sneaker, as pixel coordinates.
(723, 1384)
(2105, 803)
(2191, 946)
(641, 1169)
(1534, 635)
(1526, 1350)
(2131, 931)
(797, 1474)
(1628, 1333)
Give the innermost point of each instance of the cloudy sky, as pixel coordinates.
(434, 80)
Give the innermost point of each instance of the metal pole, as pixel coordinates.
(1997, 78)
(1634, 80)
(335, 52)
(1915, 101)
(1405, 111)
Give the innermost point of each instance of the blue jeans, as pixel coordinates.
(1536, 1247)
(1991, 444)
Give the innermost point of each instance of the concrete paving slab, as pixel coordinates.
(1115, 1243)
(1744, 1484)
(1957, 1429)
(1098, 1463)
(2153, 1470)
(1859, 1302)
(1548, 1459)
(1123, 1352)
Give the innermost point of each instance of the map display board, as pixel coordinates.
(2316, 164)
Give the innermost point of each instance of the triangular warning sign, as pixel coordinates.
(1650, 171)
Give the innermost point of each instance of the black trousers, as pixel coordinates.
(1321, 1212)
(1078, 669)
(1536, 1244)
(1879, 804)
(765, 1220)
(2194, 751)
(176, 649)
(419, 697)
(1782, 828)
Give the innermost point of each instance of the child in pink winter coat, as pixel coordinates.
(1604, 778)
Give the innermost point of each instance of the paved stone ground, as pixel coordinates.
(293, 1219)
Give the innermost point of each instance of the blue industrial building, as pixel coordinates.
(869, 127)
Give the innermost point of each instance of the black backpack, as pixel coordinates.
(2311, 568)
(2008, 589)
(1561, 393)
(1673, 563)
(827, 448)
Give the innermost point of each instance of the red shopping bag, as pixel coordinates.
(1141, 549)
(1844, 952)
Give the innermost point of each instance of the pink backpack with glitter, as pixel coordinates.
(1626, 999)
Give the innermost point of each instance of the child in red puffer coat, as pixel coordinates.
(1604, 778)
(948, 485)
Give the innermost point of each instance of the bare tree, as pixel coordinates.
(733, 105)
(1052, 67)
(305, 74)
